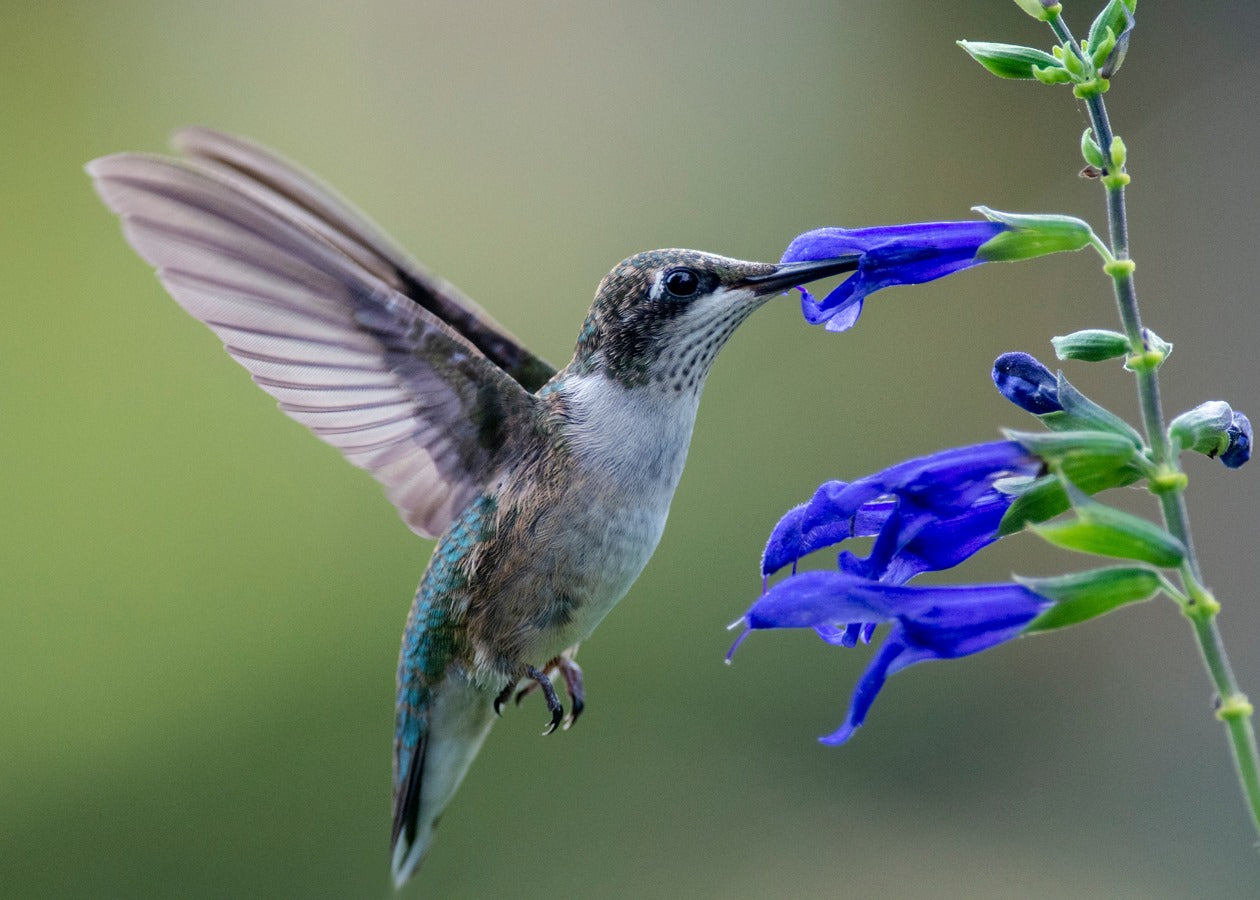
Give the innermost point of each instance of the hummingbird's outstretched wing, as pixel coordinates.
(301, 305)
(349, 230)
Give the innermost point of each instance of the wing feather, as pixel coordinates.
(257, 170)
(367, 369)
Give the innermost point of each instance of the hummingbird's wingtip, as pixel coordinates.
(100, 167)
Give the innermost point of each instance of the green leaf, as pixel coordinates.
(1091, 344)
(1082, 596)
(1105, 531)
(1009, 60)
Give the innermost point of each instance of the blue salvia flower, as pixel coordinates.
(925, 251)
(893, 254)
(927, 622)
(925, 514)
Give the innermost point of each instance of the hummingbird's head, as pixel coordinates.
(660, 317)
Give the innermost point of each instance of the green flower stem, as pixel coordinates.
(1233, 710)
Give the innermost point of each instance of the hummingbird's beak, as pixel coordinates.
(789, 275)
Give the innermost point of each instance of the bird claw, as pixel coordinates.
(572, 674)
(549, 694)
(503, 697)
(573, 685)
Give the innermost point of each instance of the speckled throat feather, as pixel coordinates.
(623, 332)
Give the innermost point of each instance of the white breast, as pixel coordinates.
(630, 446)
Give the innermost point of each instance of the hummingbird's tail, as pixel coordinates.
(439, 731)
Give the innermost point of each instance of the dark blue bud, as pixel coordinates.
(1028, 384)
(1239, 449)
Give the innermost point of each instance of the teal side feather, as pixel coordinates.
(429, 639)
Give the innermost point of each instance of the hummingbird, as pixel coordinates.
(547, 490)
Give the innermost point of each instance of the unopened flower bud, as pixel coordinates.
(1041, 10)
(1238, 450)
(1011, 60)
(1091, 151)
(1091, 345)
(1024, 381)
(1203, 429)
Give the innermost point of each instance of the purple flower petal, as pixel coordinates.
(927, 513)
(927, 622)
(891, 653)
(890, 255)
(1239, 449)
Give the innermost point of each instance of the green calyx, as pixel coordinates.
(1204, 429)
(1080, 416)
(1105, 531)
(1029, 236)
(1046, 497)
(1082, 596)
(1081, 448)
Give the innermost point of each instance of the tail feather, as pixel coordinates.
(407, 799)
(407, 855)
(440, 732)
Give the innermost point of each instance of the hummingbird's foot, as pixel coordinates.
(567, 668)
(503, 697)
(549, 694)
(572, 673)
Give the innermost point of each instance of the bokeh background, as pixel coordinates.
(201, 604)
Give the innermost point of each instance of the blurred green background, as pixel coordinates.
(202, 604)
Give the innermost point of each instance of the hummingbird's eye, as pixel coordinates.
(682, 283)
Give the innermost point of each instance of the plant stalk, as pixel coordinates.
(1233, 709)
